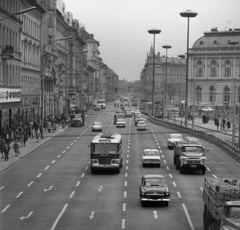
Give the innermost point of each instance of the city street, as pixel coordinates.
(53, 188)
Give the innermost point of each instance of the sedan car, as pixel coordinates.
(154, 188)
(207, 109)
(174, 138)
(121, 123)
(97, 126)
(151, 157)
(128, 114)
(141, 125)
(137, 119)
(97, 108)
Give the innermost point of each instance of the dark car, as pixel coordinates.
(117, 116)
(154, 188)
(128, 114)
(97, 108)
(76, 121)
(137, 119)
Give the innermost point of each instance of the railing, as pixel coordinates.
(208, 135)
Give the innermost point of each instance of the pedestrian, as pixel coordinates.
(6, 152)
(83, 119)
(217, 123)
(22, 139)
(49, 126)
(25, 138)
(31, 129)
(37, 135)
(228, 124)
(2, 145)
(16, 148)
(35, 126)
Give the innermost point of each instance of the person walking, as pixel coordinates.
(31, 129)
(83, 119)
(228, 124)
(22, 139)
(49, 126)
(25, 138)
(37, 135)
(217, 123)
(2, 146)
(16, 148)
(6, 152)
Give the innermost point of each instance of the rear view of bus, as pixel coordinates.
(106, 152)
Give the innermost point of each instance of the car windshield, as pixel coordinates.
(176, 136)
(233, 212)
(121, 120)
(151, 153)
(160, 182)
(141, 123)
(97, 123)
(105, 148)
(197, 149)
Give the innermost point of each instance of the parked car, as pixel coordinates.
(151, 157)
(207, 109)
(97, 126)
(121, 123)
(154, 188)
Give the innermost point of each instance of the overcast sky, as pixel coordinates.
(121, 27)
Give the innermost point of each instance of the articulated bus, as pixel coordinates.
(106, 152)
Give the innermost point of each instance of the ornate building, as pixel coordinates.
(214, 69)
(176, 78)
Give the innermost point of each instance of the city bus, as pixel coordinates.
(106, 152)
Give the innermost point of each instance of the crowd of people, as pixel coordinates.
(224, 124)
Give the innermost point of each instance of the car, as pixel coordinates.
(119, 111)
(139, 118)
(141, 125)
(97, 126)
(174, 138)
(97, 108)
(151, 157)
(121, 123)
(154, 188)
(117, 116)
(207, 109)
(136, 112)
(128, 114)
(76, 121)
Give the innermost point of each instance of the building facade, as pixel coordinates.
(214, 70)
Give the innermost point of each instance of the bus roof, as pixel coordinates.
(107, 138)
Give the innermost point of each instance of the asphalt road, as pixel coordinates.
(53, 188)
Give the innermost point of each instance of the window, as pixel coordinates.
(212, 93)
(50, 23)
(227, 69)
(199, 94)
(213, 69)
(199, 69)
(226, 94)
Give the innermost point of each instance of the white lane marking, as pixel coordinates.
(170, 175)
(75, 140)
(174, 184)
(30, 183)
(1, 188)
(25, 217)
(164, 161)
(208, 169)
(4, 210)
(78, 183)
(58, 156)
(71, 144)
(128, 147)
(59, 216)
(162, 156)
(72, 194)
(155, 215)
(160, 150)
(68, 147)
(125, 194)
(86, 168)
(128, 151)
(83, 175)
(92, 215)
(179, 195)
(127, 155)
(167, 168)
(19, 194)
(201, 189)
(157, 143)
(124, 207)
(214, 176)
(63, 151)
(40, 174)
(78, 137)
(47, 168)
(123, 224)
(126, 167)
(126, 174)
(53, 161)
(125, 183)
(46, 190)
(188, 217)
(127, 161)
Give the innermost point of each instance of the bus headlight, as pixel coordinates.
(115, 161)
(94, 162)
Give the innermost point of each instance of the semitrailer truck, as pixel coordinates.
(221, 197)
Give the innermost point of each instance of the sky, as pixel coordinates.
(121, 27)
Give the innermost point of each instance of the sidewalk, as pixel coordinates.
(31, 145)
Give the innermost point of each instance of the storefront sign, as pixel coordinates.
(10, 95)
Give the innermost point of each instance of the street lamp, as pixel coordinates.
(187, 14)
(233, 43)
(181, 88)
(20, 12)
(153, 31)
(165, 83)
(42, 78)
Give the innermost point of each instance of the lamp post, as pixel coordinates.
(165, 83)
(187, 14)
(42, 79)
(233, 43)
(181, 87)
(20, 12)
(153, 31)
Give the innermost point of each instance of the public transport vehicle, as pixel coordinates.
(106, 152)
(101, 103)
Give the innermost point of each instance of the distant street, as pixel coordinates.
(53, 188)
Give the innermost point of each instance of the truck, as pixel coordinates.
(101, 103)
(190, 154)
(221, 198)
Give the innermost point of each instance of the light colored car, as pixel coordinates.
(174, 138)
(141, 125)
(97, 126)
(151, 157)
(121, 123)
(207, 109)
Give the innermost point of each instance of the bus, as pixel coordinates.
(134, 101)
(101, 103)
(106, 152)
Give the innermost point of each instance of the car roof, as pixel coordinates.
(175, 134)
(151, 150)
(154, 176)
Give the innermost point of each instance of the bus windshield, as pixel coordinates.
(99, 148)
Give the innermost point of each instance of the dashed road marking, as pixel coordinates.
(86, 168)
(188, 217)
(40, 174)
(208, 169)
(125, 183)
(72, 194)
(30, 183)
(124, 207)
(167, 168)
(170, 175)
(126, 174)
(5, 209)
(162, 156)
(174, 184)
(201, 189)
(164, 161)
(64, 151)
(19, 194)
(68, 147)
(47, 168)
(179, 195)
(127, 161)
(2, 188)
(78, 183)
(123, 224)
(83, 175)
(125, 194)
(214, 175)
(126, 167)
(71, 144)
(53, 161)
(59, 156)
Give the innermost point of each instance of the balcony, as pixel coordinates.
(213, 76)
(199, 76)
(227, 76)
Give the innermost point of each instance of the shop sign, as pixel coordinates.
(10, 95)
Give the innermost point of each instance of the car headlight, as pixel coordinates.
(115, 161)
(204, 161)
(183, 160)
(94, 162)
(143, 193)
